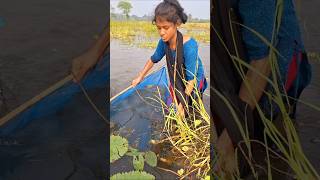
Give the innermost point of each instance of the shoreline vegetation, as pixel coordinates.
(144, 34)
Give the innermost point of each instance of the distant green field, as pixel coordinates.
(144, 34)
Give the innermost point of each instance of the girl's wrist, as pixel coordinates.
(140, 75)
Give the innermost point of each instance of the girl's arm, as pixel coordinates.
(256, 82)
(257, 50)
(83, 63)
(149, 64)
(156, 57)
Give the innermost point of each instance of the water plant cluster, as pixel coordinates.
(119, 147)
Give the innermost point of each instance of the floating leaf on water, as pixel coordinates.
(151, 158)
(133, 175)
(138, 162)
(118, 147)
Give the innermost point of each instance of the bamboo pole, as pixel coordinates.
(34, 100)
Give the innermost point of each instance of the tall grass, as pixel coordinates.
(190, 138)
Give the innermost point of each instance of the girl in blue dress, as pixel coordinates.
(183, 63)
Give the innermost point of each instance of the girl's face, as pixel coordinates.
(167, 30)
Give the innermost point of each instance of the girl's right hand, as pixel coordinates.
(82, 64)
(136, 81)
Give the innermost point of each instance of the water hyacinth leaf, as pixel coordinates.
(151, 158)
(118, 147)
(133, 175)
(138, 162)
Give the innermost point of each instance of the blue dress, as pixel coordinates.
(192, 61)
(259, 15)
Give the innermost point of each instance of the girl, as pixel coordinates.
(181, 52)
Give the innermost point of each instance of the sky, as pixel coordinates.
(197, 8)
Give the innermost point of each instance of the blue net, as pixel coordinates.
(60, 136)
(137, 113)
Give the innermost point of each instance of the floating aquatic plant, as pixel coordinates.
(119, 147)
(133, 175)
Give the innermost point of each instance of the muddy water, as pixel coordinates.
(308, 119)
(69, 143)
(38, 41)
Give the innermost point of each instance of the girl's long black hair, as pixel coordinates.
(171, 11)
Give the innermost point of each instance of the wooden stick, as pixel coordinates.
(34, 100)
(115, 96)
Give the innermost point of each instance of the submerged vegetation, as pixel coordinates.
(145, 35)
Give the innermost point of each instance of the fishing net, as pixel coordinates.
(137, 113)
(61, 136)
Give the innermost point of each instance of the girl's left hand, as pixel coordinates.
(82, 64)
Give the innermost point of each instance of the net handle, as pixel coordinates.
(34, 100)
